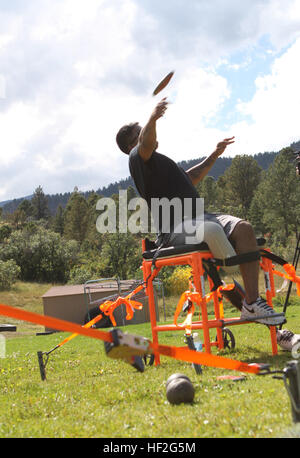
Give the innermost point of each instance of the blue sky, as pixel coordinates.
(72, 72)
(241, 72)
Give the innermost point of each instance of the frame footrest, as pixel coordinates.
(240, 321)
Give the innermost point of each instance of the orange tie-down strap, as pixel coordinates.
(290, 275)
(183, 354)
(108, 308)
(194, 296)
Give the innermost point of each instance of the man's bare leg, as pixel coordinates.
(244, 241)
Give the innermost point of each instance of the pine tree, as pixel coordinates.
(59, 220)
(76, 217)
(27, 207)
(93, 240)
(278, 197)
(238, 184)
(209, 191)
(40, 204)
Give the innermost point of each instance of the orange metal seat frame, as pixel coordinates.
(195, 261)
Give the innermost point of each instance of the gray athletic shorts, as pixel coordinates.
(227, 222)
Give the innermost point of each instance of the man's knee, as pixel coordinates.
(213, 231)
(243, 232)
(219, 244)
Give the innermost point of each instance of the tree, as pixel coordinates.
(17, 219)
(238, 184)
(5, 231)
(209, 191)
(120, 255)
(9, 273)
(76, 217)
(42, 255)
(27, 207)
(278, 197)
(93, 239)
(59, 220)
(256, 212)
(131, 193)
(40, 204)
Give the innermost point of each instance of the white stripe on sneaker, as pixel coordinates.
(261, 312)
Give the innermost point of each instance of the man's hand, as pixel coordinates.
(199, 171)
(223, 145)
(160, 109)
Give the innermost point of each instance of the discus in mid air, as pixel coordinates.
(163, 83)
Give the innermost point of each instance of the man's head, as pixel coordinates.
(127, 137)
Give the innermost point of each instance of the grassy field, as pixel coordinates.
(89, 395)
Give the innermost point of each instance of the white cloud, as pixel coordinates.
(184, 132)
(76, 71)
(18, 124)
(2, 87)
(281, 21)
(274, 109)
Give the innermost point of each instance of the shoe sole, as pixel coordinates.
(273, 320)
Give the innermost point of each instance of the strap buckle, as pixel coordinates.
(128, 347)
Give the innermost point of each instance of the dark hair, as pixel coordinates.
(124, 137)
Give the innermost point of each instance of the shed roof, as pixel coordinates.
(73, 290)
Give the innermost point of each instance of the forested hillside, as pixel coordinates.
(263, 159)
(57, 238)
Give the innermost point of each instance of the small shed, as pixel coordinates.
(72, 302)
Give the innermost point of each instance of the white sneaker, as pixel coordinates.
(261, 312)
(287, 339)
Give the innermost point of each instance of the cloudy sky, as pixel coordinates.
(73, 71)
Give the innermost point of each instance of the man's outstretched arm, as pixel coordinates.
(147, 140)
(199, 171)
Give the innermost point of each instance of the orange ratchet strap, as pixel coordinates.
(108, 307)
(291, 275)
(187, 295)
(197, 298)
(53, 323)
(207, 359)
(183, 354)
(87, 325)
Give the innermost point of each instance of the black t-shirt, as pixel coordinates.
(161, 177)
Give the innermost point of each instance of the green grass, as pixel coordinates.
(89, 395)
(27, 296)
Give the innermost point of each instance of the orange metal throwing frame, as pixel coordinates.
(194, 260)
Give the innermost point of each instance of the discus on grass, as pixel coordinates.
(163, 83)
(179, 389)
